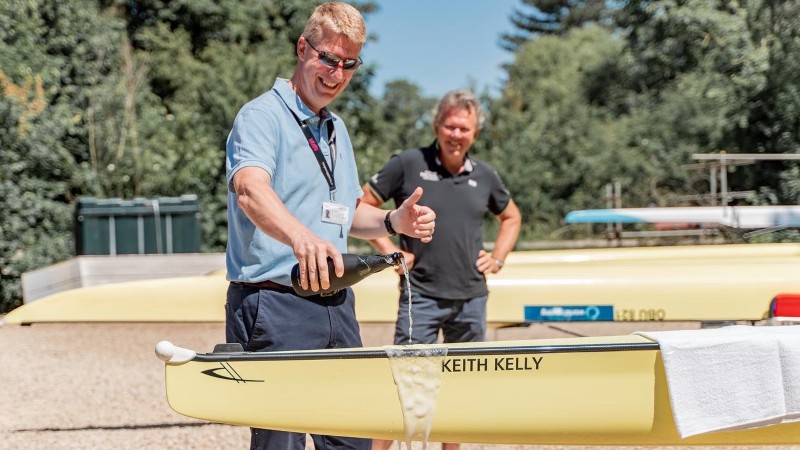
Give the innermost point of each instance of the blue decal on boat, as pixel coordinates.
(574, 313)
(601, 216)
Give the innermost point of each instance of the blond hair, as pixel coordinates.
(338, 17)
(458, 99)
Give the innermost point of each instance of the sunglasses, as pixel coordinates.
(332, 61)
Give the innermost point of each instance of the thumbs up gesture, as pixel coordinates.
(414, 220)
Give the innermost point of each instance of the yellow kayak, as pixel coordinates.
(690, 283)
(657, 290)
(645, 254)
(578, 391)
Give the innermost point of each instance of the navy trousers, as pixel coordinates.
(268, 320)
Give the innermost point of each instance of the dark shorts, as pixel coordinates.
(269, 320)
(459, 320)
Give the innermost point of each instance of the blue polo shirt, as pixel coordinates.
(266, 135)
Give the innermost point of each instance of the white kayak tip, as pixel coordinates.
(170, 353)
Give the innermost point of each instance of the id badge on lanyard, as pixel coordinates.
(332, 212)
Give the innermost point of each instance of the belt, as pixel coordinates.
(270, 285)
(273, 286)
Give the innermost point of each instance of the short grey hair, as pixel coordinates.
(338, 17)
(458, 99)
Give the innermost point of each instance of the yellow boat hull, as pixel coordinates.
(579, 391)
(691, 283)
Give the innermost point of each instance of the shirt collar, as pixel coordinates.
(468, 164)
(295, 103)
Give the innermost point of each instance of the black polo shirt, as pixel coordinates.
(445, 267)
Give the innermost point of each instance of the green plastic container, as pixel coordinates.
(140, 226)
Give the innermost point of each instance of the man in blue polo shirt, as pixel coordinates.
(294, 197)
(448, 276)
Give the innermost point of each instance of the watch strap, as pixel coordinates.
(388, 224)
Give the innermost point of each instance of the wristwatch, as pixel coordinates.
(388, 224)
(499, 262)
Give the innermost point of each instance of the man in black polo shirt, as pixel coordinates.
(448, 282)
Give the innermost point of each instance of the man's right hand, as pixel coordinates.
(409, 259)
(266, 210)
(312, 253)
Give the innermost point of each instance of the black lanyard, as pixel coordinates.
(327, 171)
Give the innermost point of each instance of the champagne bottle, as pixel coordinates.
(356, 268)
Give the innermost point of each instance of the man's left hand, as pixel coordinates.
(414, 220)
(487, 263)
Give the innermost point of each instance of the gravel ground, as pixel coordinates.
(100, 386)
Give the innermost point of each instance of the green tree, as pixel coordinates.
(539, 18)
(48, 55)
(704, 70)
(117, 98)
(206, 60)
(553, 138)
(401, 121)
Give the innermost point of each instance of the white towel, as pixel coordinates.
(731, 377)
(788, 341)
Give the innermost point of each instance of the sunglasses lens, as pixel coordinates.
(331, 60)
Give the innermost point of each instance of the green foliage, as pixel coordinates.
(399, 121)
(126, 99)
(672, 78)
(707, 76)
(118, 98)
(46, 50)
(552, 17)
(553, 147)
(204, 61)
